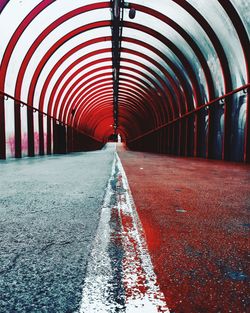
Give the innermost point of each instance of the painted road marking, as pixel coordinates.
(120, 275)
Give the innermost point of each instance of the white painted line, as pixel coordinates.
(99, 273)
(145, 293)
(140, 292)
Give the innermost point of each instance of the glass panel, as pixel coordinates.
(166, 51)
(238, 126)
(69, 86)
(45, 18)
(130, 72)
(146, 72)
(179, 15)
(67, 63)
(107, 75)
(17, 10)
(136, 81)
(224, 29)
(243, 8)
(45, 133)
(76, 40)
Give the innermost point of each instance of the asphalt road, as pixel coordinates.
(49, 213)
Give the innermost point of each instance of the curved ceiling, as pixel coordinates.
(173, 56)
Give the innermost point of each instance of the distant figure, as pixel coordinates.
(119, 138)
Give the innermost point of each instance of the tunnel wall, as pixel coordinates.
(176, 81)
(204, 133)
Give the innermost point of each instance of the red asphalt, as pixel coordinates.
(195, 215)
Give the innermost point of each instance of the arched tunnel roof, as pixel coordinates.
(174, 56)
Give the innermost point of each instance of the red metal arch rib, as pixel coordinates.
(49, 29)
(69, 96)
(244, 40)
(82, 85)
(15, 37)
(92, 94)
(67, 100)
(93, 122)
(122, 67)
(97, 102)
(72, 65)
(79, 80)
(34, 81)
(136, 100)
(3, 70)
(183, 97)
(186, 64)
(178, 73)
(129, 114)
(189, 40)
(52, 99)
(106, 130)
(213, 38)
(69, 80)
(38, 70)
(83, 109)
(3, 3)
(52, 50)
(146, 91)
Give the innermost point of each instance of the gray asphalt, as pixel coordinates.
(49, 213)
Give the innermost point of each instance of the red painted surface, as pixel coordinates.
(195, 214)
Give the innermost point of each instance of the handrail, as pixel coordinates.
(202, 106)
(18, 101)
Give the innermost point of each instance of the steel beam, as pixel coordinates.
(117, 19)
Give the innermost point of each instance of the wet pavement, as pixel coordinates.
(195, 214)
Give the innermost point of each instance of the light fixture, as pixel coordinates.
(132, 13)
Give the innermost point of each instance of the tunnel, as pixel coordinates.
(170, 78)
(164, 85)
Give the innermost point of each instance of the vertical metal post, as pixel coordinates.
(48, 135)
(69, 139)
(30, 121)
(169, 139)
(55, 137)
(247, 132)
(190, 135)
(41, 134)
(226, 154)
(197, 131)
(211, 133)
(200, 134)
(180, 137)
(18, 139)
(2, 129)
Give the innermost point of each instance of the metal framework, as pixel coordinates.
(164, 75)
